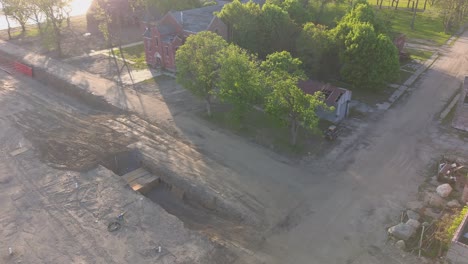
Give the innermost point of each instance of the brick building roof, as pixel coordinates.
(198, 19)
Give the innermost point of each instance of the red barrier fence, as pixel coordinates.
(24, 69)
(15, 66)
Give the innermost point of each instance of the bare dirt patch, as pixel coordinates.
(68, 142)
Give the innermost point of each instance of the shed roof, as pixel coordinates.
(332, 93)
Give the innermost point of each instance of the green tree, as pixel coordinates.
(240, 80)
(276, 30)
(7, 14)
(320, 5)
(369, 60)
(453, 12)
(287, 102)
(312, 46)
(243, 24)
(282, 63)
(55, 12)
(19, 10)
(298, 10)
(198, 64)
(363, 12)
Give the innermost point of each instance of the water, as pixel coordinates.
(79, 7)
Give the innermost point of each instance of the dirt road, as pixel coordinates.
(337, 209)
(384, 168)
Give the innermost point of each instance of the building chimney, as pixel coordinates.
(182, 17)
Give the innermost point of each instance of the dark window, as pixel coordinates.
(157, 42)
(216, 31)
(167, 51)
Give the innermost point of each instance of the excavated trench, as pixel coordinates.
(81, 141)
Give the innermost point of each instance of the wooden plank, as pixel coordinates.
(148, 180)
(139, 178)
(18, 151)
(131, 176)
(135, 186)
(145, 184)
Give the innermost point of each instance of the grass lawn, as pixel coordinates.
(428, 25)
(264, 130)
(30, 32)
(404, 75)
(135, 54)
(421, 55)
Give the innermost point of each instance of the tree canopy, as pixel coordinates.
(312, 47)
(276, 30)
(286, 101)
(369, 60)
(243, 23)
(198, 64)
(240, 79)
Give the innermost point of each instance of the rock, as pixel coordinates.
(414, 223)
(431, 213)
(444, 190)
(400, 244)
(434, 200)
(453, 204)
(412, 215)
(415, 205)
(401, 231)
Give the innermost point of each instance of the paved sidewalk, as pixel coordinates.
(428, 63)
(139, 76)
(103, 52)
(122, 98)
(402, 88)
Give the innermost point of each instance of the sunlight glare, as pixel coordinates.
(79, 7)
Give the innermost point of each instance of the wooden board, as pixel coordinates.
(141, 180)
(18, 151)
(131, 176)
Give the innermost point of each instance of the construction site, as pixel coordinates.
(95, 172)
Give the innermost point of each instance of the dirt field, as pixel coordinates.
(61, 216)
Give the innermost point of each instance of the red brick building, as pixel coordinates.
(162, 38)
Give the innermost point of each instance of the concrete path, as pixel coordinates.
(103, 52)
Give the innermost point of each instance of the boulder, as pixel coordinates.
(453, 204)
(434, 200)
(444, 190)
(415, 205)
(412, 215)
(414, 223)
(402, 231)
(400, 244)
